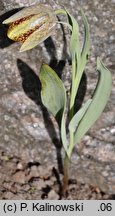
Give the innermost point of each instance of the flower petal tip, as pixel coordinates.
(22, 49)
(5, 22)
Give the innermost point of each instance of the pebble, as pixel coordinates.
(112, 130)
(6, 138)
(6, 117)
(19, 166)
(52, 195)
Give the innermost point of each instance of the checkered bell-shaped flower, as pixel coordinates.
(31, 25)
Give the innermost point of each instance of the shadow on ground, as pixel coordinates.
(32, 87)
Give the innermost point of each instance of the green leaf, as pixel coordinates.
(84, 53)
(63, 133)
(74, 40)
(79, 56)
(98, 103)
(86, 45)
(53, 93)
(53, 96)
(78, 116)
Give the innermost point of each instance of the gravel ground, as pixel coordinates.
(30, 151)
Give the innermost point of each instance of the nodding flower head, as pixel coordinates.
(31, 25)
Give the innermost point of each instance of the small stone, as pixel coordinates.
(35, 125)
(97, 190)
(6, 117)
(112, 130)
(112, 37)
(19, 166)
(6, 138)
(52, 195)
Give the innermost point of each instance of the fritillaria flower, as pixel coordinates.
(31, 25)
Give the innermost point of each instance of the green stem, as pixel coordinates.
(71, 114)
(60, 11)
(65, 178)
(66, 164)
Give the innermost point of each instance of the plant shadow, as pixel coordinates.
(32, 87)
(4, 40)
(55, 64)
(81, 92)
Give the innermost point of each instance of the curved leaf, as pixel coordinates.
(74, 40)
(98, 103)
(78, 116)
(86, 45)
(53, 96)
(82, 60)
(53, 92)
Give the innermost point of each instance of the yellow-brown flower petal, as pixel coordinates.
(32, 25)
(34, 9)
(38, 36)
(20, 30)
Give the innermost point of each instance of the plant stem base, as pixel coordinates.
(65, 178)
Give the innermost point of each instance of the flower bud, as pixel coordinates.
(31, 25)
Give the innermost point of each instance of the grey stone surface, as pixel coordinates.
(26, 128)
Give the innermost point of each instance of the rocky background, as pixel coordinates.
(30, 151)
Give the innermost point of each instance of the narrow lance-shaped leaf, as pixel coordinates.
(79, 56)
(53, 96)
(74, 40)
(75, 52)
(86, 45)
(98, 103)
(84, 53)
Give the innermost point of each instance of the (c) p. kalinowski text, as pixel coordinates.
(51, 207)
